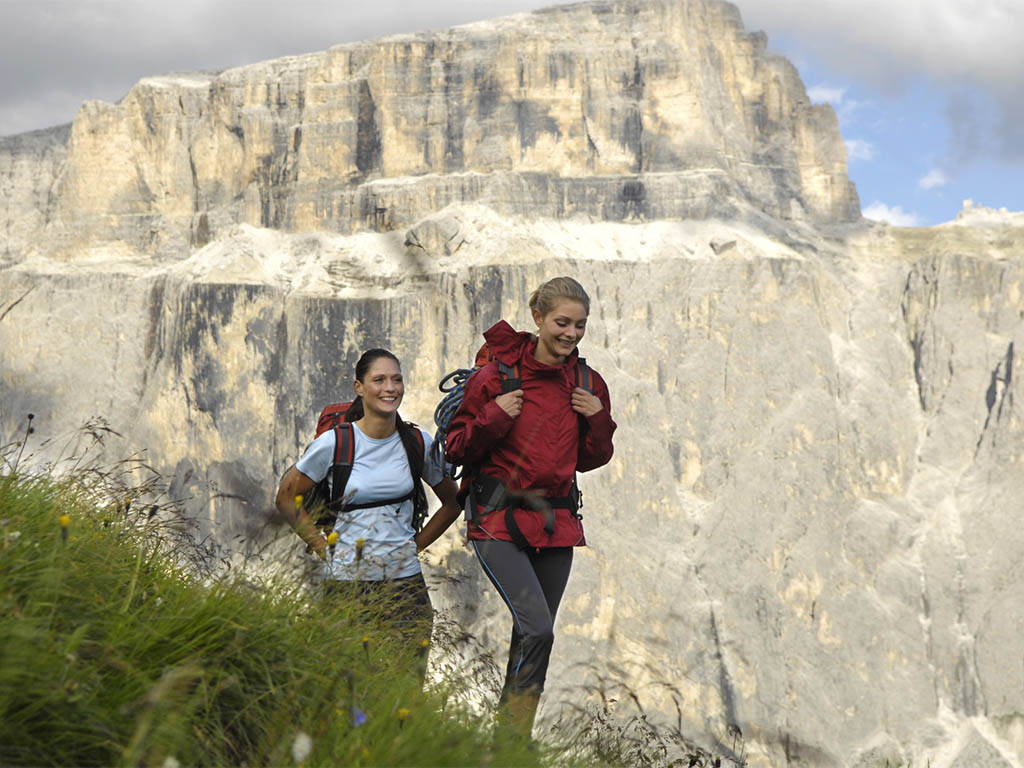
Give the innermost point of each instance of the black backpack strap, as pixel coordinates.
(514, 531)
(397, 501)
(344, 456)
(511, 377)
(584, 376)
(422, 456)
(415, 452)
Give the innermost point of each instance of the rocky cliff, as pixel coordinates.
(637, 109)
(805, 550)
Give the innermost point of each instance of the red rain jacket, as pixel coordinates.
(542, 448)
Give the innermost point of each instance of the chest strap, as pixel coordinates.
(382, 503)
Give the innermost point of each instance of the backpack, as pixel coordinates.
(326, 499)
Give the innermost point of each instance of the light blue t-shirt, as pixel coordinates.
(380, 470)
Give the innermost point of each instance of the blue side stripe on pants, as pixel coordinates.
(504, 596)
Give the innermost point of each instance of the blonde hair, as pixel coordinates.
(544, 299)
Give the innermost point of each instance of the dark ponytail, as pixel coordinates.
(406, 432)
(355, 410)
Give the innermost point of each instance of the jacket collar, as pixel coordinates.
(511, 346)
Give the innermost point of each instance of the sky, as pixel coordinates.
(929, 93)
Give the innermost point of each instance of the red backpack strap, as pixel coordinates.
(344, 456)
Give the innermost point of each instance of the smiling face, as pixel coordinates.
(382, 387)
(560, 330)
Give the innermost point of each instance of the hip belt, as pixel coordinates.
(486, 494)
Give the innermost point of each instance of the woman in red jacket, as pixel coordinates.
(529, 420)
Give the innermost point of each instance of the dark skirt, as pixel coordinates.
(404, 602)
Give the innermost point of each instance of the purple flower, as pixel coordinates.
(358, 717)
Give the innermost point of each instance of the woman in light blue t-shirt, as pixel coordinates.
(376, 545)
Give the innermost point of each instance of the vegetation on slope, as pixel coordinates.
(117, 648)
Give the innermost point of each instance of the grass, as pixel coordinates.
(114, 652)
(117, 647)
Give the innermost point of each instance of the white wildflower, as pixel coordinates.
(301, 747)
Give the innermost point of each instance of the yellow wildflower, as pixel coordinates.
(65, 520)
(298, 501)
(332, 539)
(402, 713)
(360, 543)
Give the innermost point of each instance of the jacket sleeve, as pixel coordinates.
(480, 422)
(596, 441)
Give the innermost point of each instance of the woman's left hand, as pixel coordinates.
(586, 403)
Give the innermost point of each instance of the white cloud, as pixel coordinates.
(976, 39)
(896, 216)
(858, 149)
(935, 178)
(97, 49)
(971, 45)
(848, 107)
(834, 96)
(825, 94)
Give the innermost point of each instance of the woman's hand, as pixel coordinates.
(586, 403)
(511, 402)
(319, 546)
(295, 485)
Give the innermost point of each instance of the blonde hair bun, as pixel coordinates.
(544, 299)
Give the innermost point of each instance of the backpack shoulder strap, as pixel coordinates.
(584, 376)
(344, 456)
(419, 441)
(511, 377)
(420, 458)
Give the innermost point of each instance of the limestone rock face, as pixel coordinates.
(621, 110)
(808, 534)
(805, 551)
(29, 167)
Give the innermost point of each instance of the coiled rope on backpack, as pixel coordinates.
(454, 387)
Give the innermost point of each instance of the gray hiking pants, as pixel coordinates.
(531, 583)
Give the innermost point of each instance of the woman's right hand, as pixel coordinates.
(511, 402)
(318, 544)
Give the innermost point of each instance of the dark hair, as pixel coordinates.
(405, 432)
